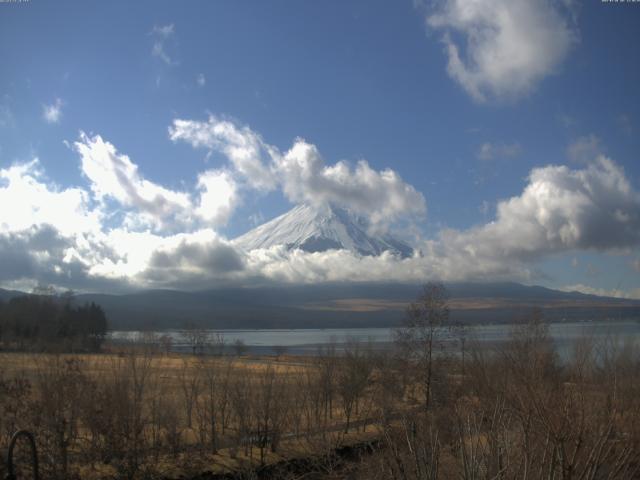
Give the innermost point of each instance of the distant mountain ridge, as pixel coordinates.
(317, 229)
(343, 305)
(6, 295)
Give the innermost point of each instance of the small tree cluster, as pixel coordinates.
(44, 321)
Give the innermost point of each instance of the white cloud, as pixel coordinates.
(201, 80)
(53, 113)
(29, 201)
(510, 44)
(434, 263)
(184, 260)
(114, 175)
(584, 149)
(305, 178)
(161, 34)
(301, 172)
(560, 209)
(51, 234)
(146, 204)
(85, 252)
(256, 218)
(218, 197)
(78, 237)
(246, 150)
(158, 51)
(490, 151)
(63, 237)
(193, 260)
(164, 31)
(484, 208)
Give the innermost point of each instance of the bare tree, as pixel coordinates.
(115, 412)
(242, 409)
(388, 392)
(269, 410)
(354, 376)
(216, 343)
(195, 337)
(166, 342)
(423, 331)
(240, 347)
(190, 384)
(327, 361)
(213, 387)
(408, 452)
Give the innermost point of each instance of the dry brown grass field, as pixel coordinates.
(186, 413)
(513, 413)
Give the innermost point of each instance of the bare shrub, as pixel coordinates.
(15, 409)
(59, 382)
(354, 375)
(190, 383)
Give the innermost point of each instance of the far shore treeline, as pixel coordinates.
(46, 322)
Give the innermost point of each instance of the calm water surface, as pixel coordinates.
(302, 341)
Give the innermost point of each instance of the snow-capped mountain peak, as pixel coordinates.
(317, 229)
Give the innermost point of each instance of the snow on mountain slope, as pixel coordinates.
(318, 229)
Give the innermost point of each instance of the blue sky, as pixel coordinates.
(462, 101)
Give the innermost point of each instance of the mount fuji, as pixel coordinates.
(317, 229)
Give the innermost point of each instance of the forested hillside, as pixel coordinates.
(45, 322)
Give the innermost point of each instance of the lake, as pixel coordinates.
(306, 341)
